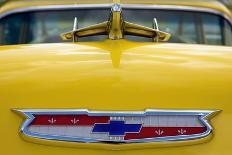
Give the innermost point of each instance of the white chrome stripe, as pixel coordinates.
(165, 121)
(68, 131)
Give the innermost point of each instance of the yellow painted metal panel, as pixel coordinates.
(115, 75)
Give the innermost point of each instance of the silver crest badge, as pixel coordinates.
(116, 127)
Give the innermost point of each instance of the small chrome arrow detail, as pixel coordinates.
(159, 132)
(74, 121)
(52, 120)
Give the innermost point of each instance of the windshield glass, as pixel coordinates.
(46, 26)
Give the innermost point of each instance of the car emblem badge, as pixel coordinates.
(116, 127)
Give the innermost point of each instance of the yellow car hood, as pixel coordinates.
(115, 75)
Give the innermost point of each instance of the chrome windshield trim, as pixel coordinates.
(55, 7)
(104, 6)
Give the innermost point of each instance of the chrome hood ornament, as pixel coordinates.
(83, 126)
(115, 28)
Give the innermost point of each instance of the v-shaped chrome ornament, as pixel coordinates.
(116, 28)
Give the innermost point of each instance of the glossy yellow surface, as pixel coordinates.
(115, 75)
(207, 4)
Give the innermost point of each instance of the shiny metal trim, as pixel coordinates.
(204, 116)
(129, 6)
(55, 7)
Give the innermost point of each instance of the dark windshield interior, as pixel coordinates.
(46, 26)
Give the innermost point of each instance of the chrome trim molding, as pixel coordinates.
(55, 7)
(203, 115)
(103, 6)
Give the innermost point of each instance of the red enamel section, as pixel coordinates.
(68, 120)
(151, 132)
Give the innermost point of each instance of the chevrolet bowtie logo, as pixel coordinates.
(116, 128)
(78, 125)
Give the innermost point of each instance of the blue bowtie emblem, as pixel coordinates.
(116, 128)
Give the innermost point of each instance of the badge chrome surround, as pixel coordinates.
(113, 127)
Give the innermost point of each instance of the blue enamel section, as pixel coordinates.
(116, 128)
